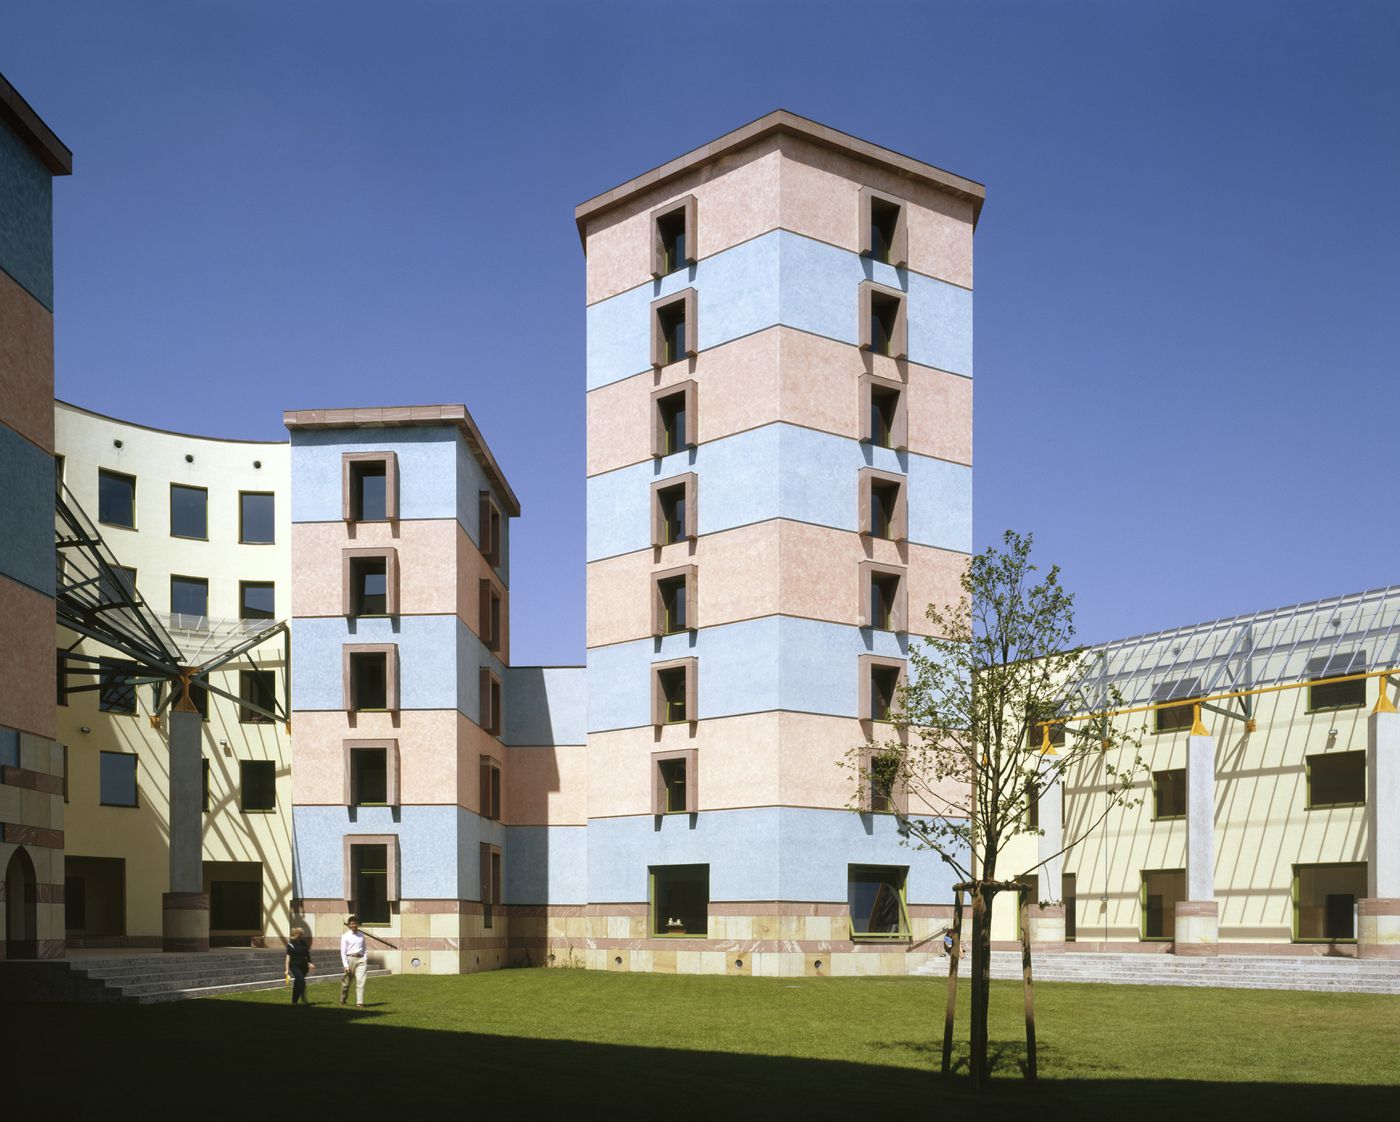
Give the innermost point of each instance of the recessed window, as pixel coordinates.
(257, 517)
(257, 688)
(189, 512)
(257, 785)
(879, 680)
(680, 900)
(883, 228)
(369, 776)
(189, 597)
(673, 236)
(674, 692)
(490, 688)
(257, 600)
(370, 486)
(489, 529)
(490, 788)
(883, 789)
(1162, 890)
(369, 578)
(884, 409)
(884, 221)
(1337, 695)
(489, 624)
(884, 322)
(1169, 793)
(369, 680)
(1173, 718)
(1337, 779)
(673, 601)
(1032, 806)
(673, 328)
(369, 884)
(1069, 891)
(116, 693)
(673, 419)
(1324, 901)
(117, 779)
(490, 883)
(116, 499)
(675, 783)
(886, 600)
(884, 507)
(875, 895)
(673, 510)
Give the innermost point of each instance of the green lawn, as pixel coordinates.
(682, 1047)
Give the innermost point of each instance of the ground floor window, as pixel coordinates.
(1071, 902)
(680, 900)
(1162, 890)
(875, 894)
(369, 869)
(94, 896)
(235, 897)
(1324, 901)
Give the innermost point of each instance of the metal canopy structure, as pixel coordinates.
(96, 598)
(1340, 637)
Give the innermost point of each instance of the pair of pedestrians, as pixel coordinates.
(352, 960)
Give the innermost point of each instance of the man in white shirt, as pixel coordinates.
(352, 958)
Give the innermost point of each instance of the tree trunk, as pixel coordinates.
(981, 981)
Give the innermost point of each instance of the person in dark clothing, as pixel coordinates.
(298, 963)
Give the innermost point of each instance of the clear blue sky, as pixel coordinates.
(1187, 314)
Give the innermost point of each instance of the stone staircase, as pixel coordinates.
(1265, 972)
(147, 979)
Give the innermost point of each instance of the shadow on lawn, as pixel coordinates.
(262, 1061)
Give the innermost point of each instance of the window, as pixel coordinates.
(257, 523)
(490, 687)
(673, 516)
(1173, 718)
(257, 688)
(1324, 901)
(116, 499)
(490, 883)
(883, 600)
(204, 785)
(680, 900)
(673, 424)
(370, 486)
(879, 681)
(256, 599)
(1070, 890)
(674, 689)
(371, 874)
(1032, 805)
(673, 236)
(875, 894)
(489, 529)
(883, 790)
(884, 413)
(116, 585)
(1162, 890)
(1035, 734)
(673, 600)
(189, 512)
(884, 228)
(673, 328)
(189, 597)
(883, 505)
(371, 772)
(489, 615)
(369, 582)
(1337, 779)
(1169, 793)
(199, 698)
(1337, 695)
(371, 676)
(116, 693)
(675, 786)
(884, 326)
(117, 779)
(257, 785)
(490, 792)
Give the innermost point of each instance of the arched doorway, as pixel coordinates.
(21, 907)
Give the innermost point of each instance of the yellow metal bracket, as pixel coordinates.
(1383, 702)
(1198, 727)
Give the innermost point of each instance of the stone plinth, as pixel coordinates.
(1197, 928)
(1378, 928)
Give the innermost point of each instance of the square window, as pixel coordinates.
(257, 688)
(675, 783)
(369, 680)
(116, 585)
(1337, 779)
(875, 895)
(369, 885)
(673, 419)
(674, 691)
(673, 328)
(490, 883)
(680, 900)
(490, 788)
(257, 522)
(884, 320)
(673, 601)
(1173, 718)
(117, 779)
(369, 776)
(490, 688)
(879, 681)
(489, 529)
(1162, 890)
(369, 482)
(189, 598)
(673, 236)
(189, 512)
(1324, 901)
(883, 504)
(1337, 695)
(257, 599)
(1169, 793)
(116, 499)
(257, 785)
(884, 228)
(1035, 734)
(117, 694)
(673, 510)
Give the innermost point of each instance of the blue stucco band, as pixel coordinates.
(545, 705)
(26, 512)
(26, 218)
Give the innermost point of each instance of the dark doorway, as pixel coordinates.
(94, 895)
(21, 907)
(235, 901)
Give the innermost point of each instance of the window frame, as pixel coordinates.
(243, 768)
(1157, 815)
(689, 482)
(867, 665)
(867, 385)
(1354, 662)
(101, 471)
(491, 615)
(898, 795)
(490, 529)
(244, 585)
(688, 390)
(189, 487)
(660, 800)
(866, 480)
(1168, 924)
(492, 876)
(905, 934)
(390, 747)
(391, 871)
(248, 716)
(899, 609)
(490, 702)
(1310, 804)
(490, 788)
(654, 922)
(390, 460)
(690, 575)
(192, 580)
(689, 301)
(660, 712)
(348, 591)
(688, 208)
(135, 803)
(243, 539)
(899, 336)
(899, 244)
(390, 651)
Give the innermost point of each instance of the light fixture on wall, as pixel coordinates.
(116, 444)
(84, 728)
(188, 458)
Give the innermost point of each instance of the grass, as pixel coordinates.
(685, 1046)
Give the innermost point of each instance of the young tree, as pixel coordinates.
(969, 734)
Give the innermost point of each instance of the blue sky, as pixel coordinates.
(1188, 267)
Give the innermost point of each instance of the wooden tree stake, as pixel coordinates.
(953, 954)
